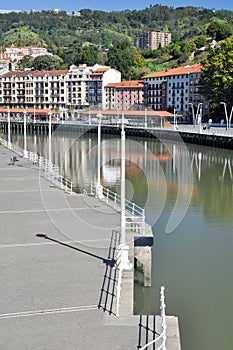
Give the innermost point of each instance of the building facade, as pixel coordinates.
(175, 89)
(125, 95)
(72, 89)
(152, 40)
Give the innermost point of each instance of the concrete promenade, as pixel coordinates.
(49, 291)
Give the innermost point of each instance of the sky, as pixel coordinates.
(108, 5)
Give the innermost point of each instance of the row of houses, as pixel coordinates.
(100, 87)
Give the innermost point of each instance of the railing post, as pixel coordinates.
(133, 207)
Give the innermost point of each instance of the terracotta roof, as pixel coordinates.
(126, 84)
(101, 70)
(28, 110)
(176, 71)
(130, 113)
(35, 73)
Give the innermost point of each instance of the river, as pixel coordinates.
(187, 191)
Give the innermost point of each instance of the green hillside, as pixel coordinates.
(92, 36)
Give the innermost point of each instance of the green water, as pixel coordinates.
(187, 191)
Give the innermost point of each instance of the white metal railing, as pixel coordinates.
(161, 339)
(134, 214)
(119, 279)
(50, 170)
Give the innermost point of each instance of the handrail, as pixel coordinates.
(119, 281)
(51, 171)
(162, 336)
(135, 215)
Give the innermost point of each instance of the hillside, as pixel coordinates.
(70, 36)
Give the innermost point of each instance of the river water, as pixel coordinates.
(187, 191)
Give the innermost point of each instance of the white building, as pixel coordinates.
(72, 89)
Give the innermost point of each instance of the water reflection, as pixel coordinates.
(194, 261)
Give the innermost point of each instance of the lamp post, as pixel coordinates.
(199, 116)
(196, 118)
(174, 120)
(124, 248)
(89, 117)
(145, 118)
(228, 120)
(34, 114)
(99, 188)
(193, 115)
(25, 152)
(9, 127)
(50, 136)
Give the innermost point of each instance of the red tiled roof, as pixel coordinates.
(126, 84)
(35, 73)
(176, 71)
(131, 113)
(28, 110)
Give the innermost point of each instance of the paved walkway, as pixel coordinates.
(50, 292)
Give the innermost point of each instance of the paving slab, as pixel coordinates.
(50, 289)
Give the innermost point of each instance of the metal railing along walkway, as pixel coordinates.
(50, 170)
(146, 331)
(135, 215)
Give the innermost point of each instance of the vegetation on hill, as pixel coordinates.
(91, 35)
(105, 38)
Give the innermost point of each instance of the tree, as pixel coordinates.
(46, 62)
(25, 62)
(88, 55)
(200, 41)
(217, 77)
(219, 31)
(120, 57)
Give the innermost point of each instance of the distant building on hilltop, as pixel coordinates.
(152, 40)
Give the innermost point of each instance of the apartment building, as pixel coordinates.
(15, 53)
(74, 88)
(175, 89)
(152, 40)
(100, 78)
(124, 95)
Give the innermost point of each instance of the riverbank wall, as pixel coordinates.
(213, 137)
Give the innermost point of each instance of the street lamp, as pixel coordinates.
(9, 127)
(124, 248)
(50, 136)
(145, 118)
(174, 120)
(228, 120)
(99, 188)
(89, 117)
(197, 117)
(25, 152)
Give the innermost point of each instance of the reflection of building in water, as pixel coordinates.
(172, 163)
(110, 174)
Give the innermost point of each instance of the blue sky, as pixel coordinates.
(108, 5)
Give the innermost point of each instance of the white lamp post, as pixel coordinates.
(197, 118)
(174, 120)
(99, 188)
(9, 128)
(50, 136)
(124, 248)
(89, 117)
(193, 115)
(25, 152)
(228, 120)
(34, 114)
(145, 118)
